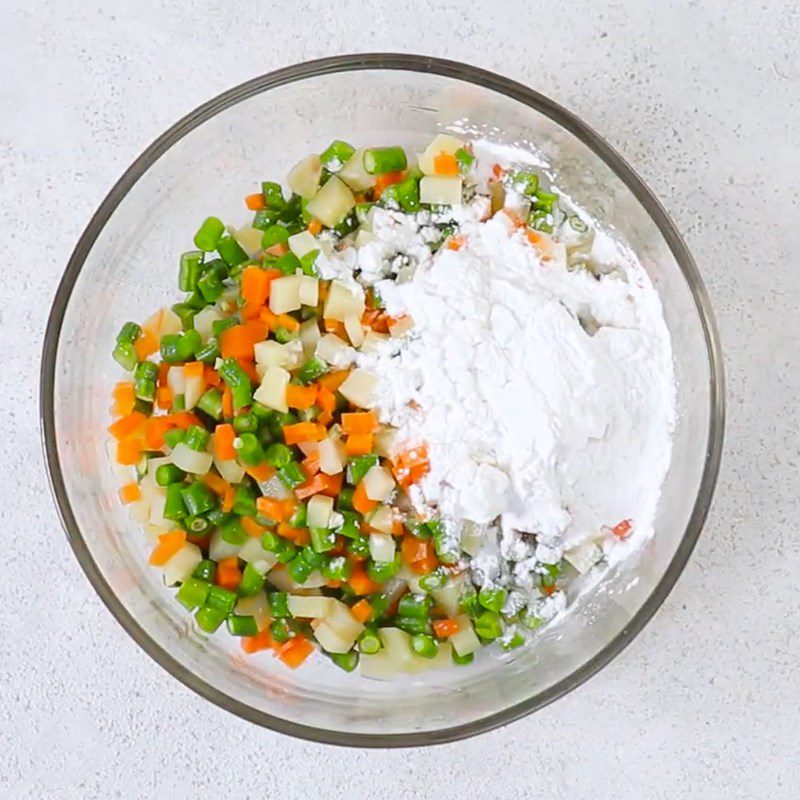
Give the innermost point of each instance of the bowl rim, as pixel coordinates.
(564, 118)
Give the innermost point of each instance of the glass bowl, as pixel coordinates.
(124, 267)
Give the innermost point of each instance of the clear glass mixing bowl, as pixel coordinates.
(124, 266)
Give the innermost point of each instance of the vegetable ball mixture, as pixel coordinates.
(397, 415)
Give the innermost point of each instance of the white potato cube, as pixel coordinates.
(256, 607)
(384, 442)
(382, 519)
(444, 143)
(377, 667)
(354, 330)
(364, 237)
(330, 641)
(303, 178)
(218, 548)
(465, 641)
(584, 556)
(359, 388)
(354, 174)
(330, 459)
(448, 596)
(373, 341)
(309, 607)
(272, 390)
(164, 321)
(401, 326)
(344, 300)
(203, 321)
(334, 351)
(284, 294)
(182, 564)
(302, 243)
(318, 513)
(190, 460)
(253, 553)
(309, 336)
(342, 622)
(440, 190)
(193, 391)
(249, 238)
(332, 203)
(397, 645)
(381, 547)
(176, 380)
(379, 484)
(308, 290)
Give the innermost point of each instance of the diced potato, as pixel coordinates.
(441, 660)
(319, 510)
(401, 326)
(584, 556)
(256, 607)
(303, 178)
(465, 641)
(378, 667)
(440, 190)
(308, 290)
(249, 238)
(218, 548)
(373, 341)
(231, 470)
(334, 351)
(354, 174)
(309, 607)
(302, 243)
(190, 460)
(330, 460)
(332, 203)
(383, 442)
(382, 519)
(381, 547)
(397, 645)
(253, 553)
(342, 622)
(176, 380)
(164, 321)
(379, 484)
(448, 596)
(359, 388)
(309, 336)
(354, 330)
(272, 391)
(425, 163)
(284, 294)
(444, 143)
(182, 564)
(364, 237)
(203, 320)
(330, 641)
(344, 300)
(472, 537)
(282, 581)
(195, 386)
(274, 354)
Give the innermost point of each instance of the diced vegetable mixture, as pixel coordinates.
(255, 457)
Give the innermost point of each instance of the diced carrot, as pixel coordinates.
(333, 583)
(129, 451)
(168, 545)
(126, 426)
(303, 432)
(255, 202)
(280, 249)
(249, 368)
(334, 326)
(261, 472)
(238, 340)
(361, 502)
(223, 441)
(193, 370)
(358, 444)
(255, 285)
(498, 171)
(425, 565)
(314, 485)
(310, 464)
(252, 528)
(145, 345)
(455, 242)
(301, 396)
(410, 466)
(228, 573)
(154, 430)
(261, 641)
(333, 484)
(217, 484)
(359, 422)
(299, 536)
(163, 373)
(548, 590)
(164, 397)
(183, 419)
(339, 548)
(287, 321)
(384, 180)
(227, 404)
(273, 508)
(227, 499)
(622, 529)
(445, 164)
(211, 376)
(295, 651)
(326, 399)
(315, 227)
(130, 493)
(124, 397)
(250, 312)
(413, 549)
(325, 418)
(376, 320)
(361, 611)
(200, 539)
(361, 583)
(333, 380)
(268, 318)
(444, 628)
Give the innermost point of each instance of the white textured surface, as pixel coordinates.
(703, 99)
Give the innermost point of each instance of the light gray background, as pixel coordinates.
(703, 100)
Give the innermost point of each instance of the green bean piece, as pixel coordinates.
(378, 160)
(322, 539)
(292, 475)
(461, 660)
(414, 605)
(336, 155)
(252, 581)
(424, 645)
(465, 159)
(369, 642)
(209, 234)
(300, 569)
(210, 402)
(380, 572)
(242, 625)
(359, 466)
(173, 437)
(288, 264)
(492, 598)
(232, 532)
(413, 625)
(221, 599)
(189, 270)
(273, 195)
(209, 619)
(278, 604)
(205, 570)
(244, 501)
(347, 661)
(198, 498)
(337, 568)
(169, 473)
(488, 625)
(193, 593)
(231, 251)
(174, 507)
(280, 631)
(311, 370)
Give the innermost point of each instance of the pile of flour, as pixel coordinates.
(545, 396)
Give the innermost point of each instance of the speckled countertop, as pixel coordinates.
(704, 100)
